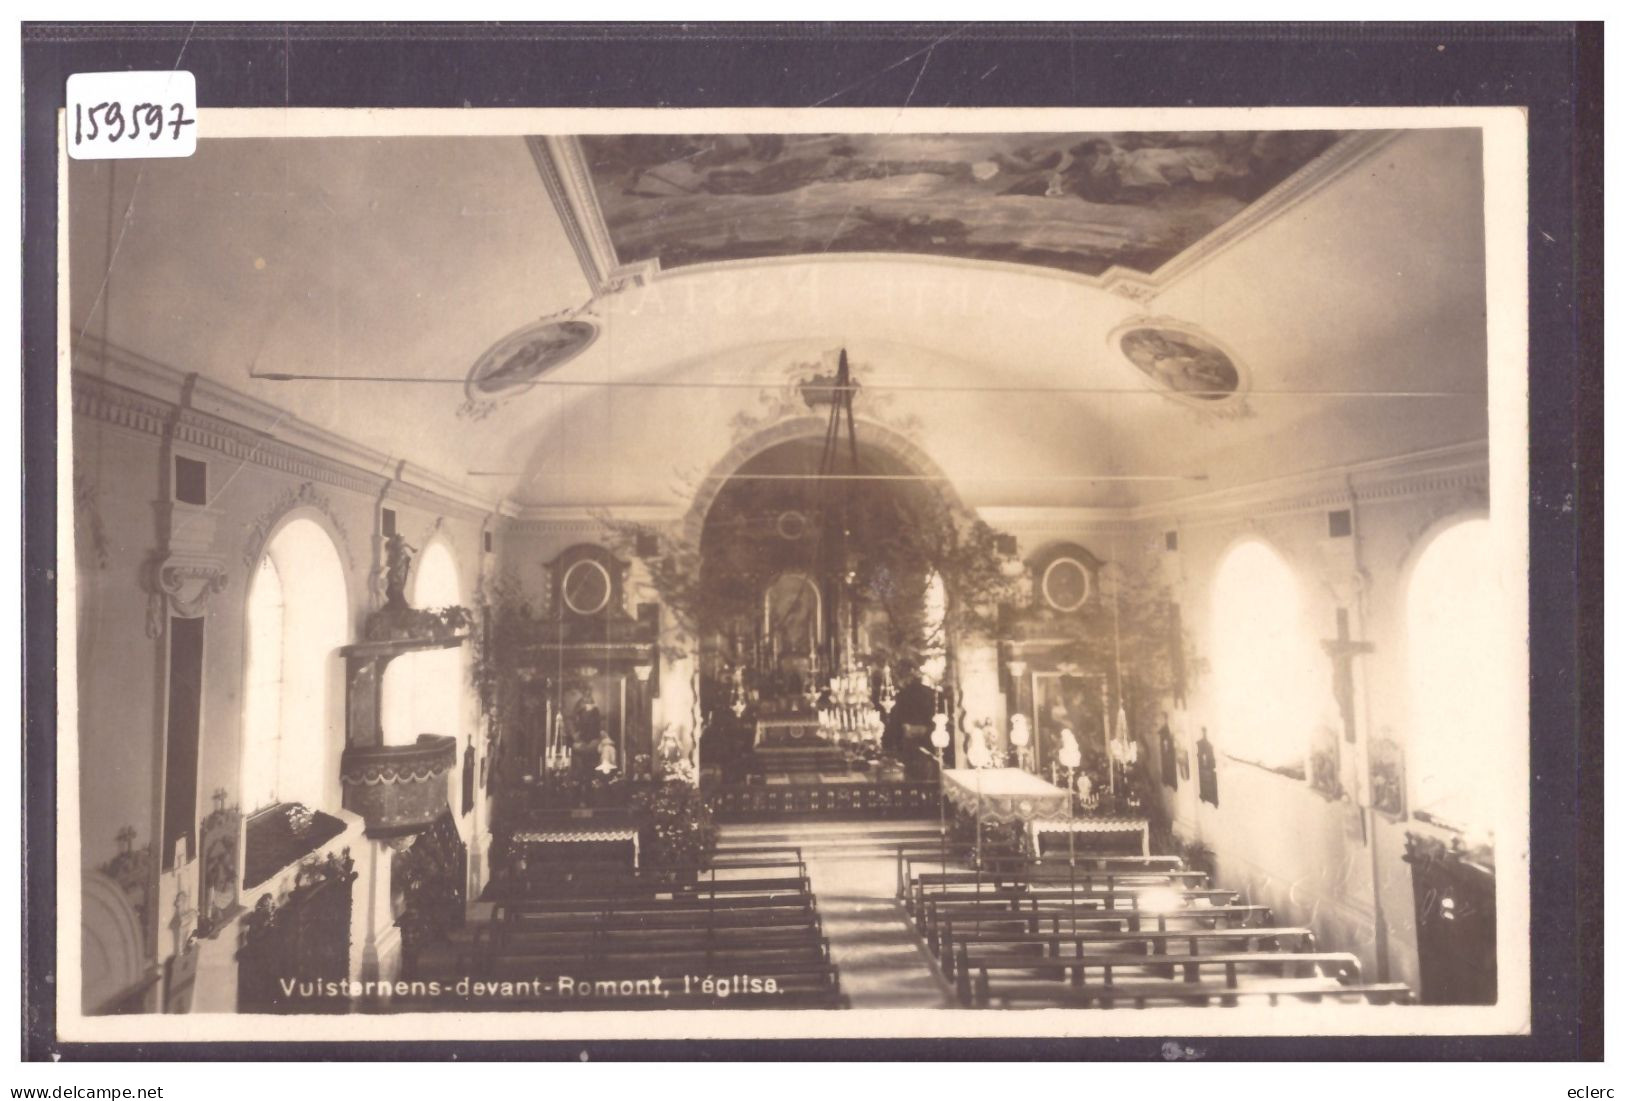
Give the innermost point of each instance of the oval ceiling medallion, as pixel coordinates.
(521, 358)
(1180, 361)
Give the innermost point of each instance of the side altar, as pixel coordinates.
(586, 687)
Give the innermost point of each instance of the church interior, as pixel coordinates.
(523, 573)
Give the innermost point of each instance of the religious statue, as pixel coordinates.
(1021, 736)
(221, 897)
(1087, 798)
(397, 568)
(670, 751)
(1070, 755)
(608, 759)
(588, 722)
(977, 752)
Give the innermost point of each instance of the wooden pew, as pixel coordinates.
(548, 872)
(960, 860)
(610, 889)
(1072, 879)
(637, 933)
(629, 904)
(1013, 896)
(587, 943)
(1200, 994)
(632, 962)
(1153, 945)
(1061, 917)
(692, 919)
(974, 987)
(1100, 862)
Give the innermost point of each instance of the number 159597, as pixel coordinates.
(124, 115)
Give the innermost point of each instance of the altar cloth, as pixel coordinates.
(1005, 795)
(580, 835)
(802, 733)
(1010, 795)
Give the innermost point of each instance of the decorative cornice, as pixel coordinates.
(416, 487)
(118, 387)
(1057, 519)
(562, 166)
(246, 445)
(563, 515)
(1415, 474)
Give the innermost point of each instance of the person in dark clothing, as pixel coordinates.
(589, 725)
(908, 727)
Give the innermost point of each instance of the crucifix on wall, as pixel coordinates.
(1343, 650)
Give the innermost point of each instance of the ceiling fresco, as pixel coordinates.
(1078, 202)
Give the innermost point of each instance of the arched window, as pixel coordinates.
(1263, 662)
(423, 692)
(1453, 640)
(296, 620)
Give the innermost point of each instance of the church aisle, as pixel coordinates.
(853, 870)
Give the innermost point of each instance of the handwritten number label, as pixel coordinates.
(128, 115)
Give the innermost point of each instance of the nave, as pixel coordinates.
(657, 640)
(882, 917)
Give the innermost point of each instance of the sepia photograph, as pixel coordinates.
(795, 573)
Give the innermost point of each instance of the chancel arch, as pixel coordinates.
(873, 435)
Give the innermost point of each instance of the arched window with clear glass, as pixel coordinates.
(1263, 660)
(1453, 635)
(297, 619)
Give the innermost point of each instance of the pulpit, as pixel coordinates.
(399, 789)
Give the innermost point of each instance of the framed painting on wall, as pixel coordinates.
(1068, 701)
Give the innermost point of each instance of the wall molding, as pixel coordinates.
(586, 519)
(124, 389)
(1450, 469)
(127, 391)
(1059, 519)
(1456, 470)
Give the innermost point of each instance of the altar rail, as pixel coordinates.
(767, 802)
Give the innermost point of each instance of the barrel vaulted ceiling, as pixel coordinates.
(1054, 319)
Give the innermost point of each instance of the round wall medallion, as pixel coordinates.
(1180, 362)
(522, 357)
(586, 587)
(1066, 584)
